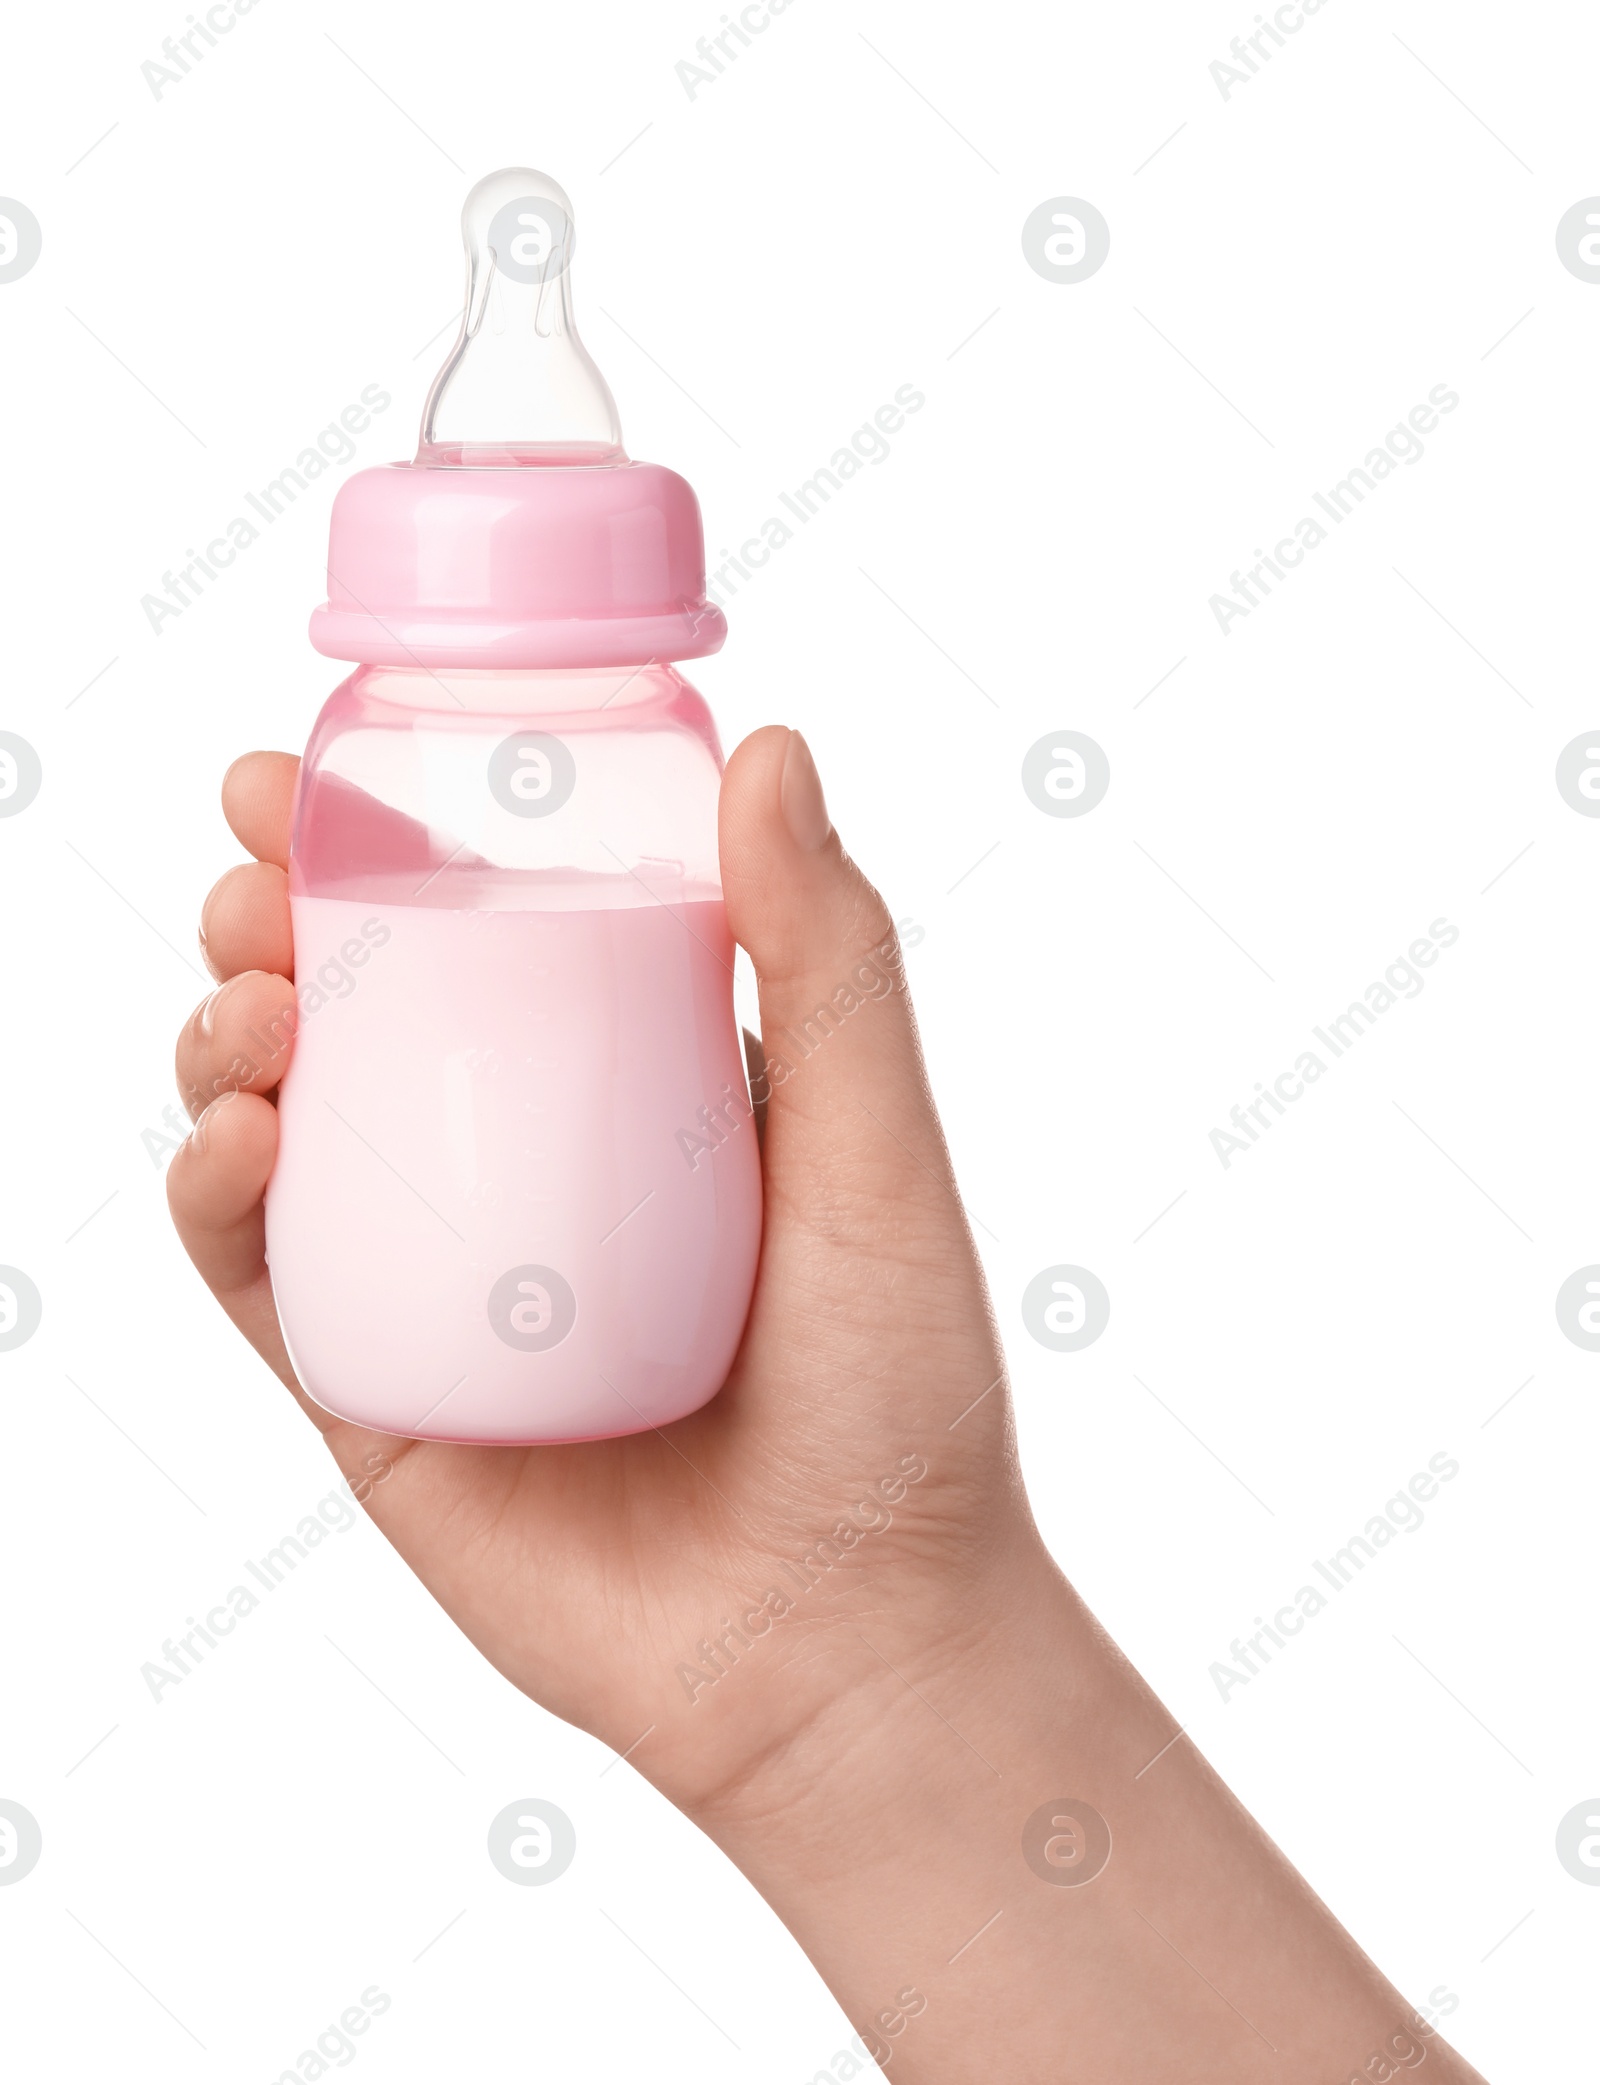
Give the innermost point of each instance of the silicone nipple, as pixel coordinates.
(518, 387)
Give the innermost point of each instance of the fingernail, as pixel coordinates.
(805, 810)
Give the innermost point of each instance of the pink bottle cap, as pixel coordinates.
(521, 535)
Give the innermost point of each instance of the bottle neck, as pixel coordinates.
(581, 692)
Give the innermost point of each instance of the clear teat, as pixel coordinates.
(518, 387)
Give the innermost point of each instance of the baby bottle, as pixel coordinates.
(517, 1195)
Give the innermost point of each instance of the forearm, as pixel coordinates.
(891, 1836)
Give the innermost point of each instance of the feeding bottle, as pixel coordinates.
(517, 1194)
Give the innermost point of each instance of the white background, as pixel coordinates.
(831, 218)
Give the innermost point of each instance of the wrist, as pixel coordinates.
(885, 1704)
(885, 1828)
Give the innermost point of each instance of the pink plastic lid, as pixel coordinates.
(521, 535)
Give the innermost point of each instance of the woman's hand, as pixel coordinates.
(817, 1613)
(612, 1581)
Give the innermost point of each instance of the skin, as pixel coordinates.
(871, 1758)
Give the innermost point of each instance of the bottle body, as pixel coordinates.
(517, 1193)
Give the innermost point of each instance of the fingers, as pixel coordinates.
(244, 922)
(257, 796)
(214, 1188)
(848, 1108)
(238, 1040)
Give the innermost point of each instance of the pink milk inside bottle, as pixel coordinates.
(517, 1194)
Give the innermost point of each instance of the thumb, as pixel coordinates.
(850, 1120)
